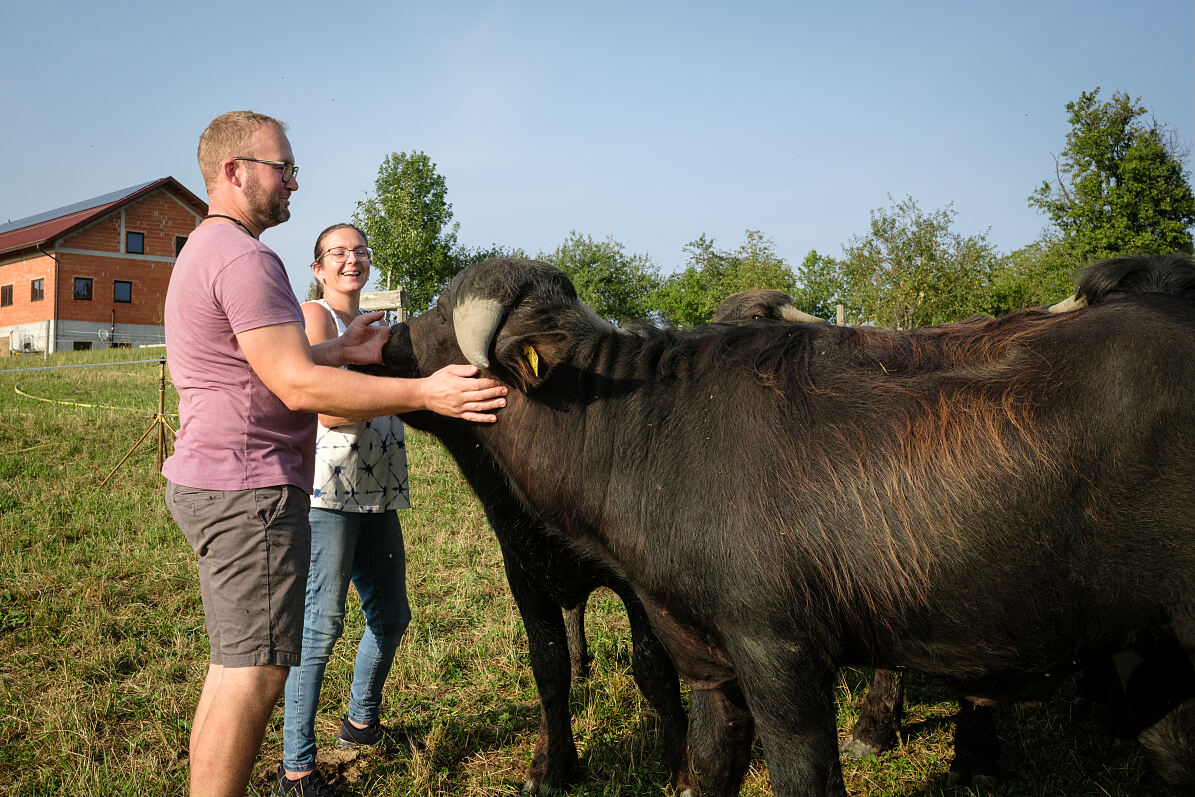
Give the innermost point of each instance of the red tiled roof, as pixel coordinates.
(36, 230)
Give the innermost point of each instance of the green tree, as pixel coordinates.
(755, 264)
(912, 270)
(615, 285)
(466, 256)
(692, 295)
(819, 285)
(409, 224)
(1119, 187)
(1038, 274)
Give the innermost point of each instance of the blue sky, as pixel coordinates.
(652, 122)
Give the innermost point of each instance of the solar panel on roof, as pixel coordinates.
(94, 202)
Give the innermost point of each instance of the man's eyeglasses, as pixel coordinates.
(287, 168)
(339, 254)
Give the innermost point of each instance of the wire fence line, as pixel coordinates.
(161, 361)
(158, 360)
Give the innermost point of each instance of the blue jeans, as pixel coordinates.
(366, 548)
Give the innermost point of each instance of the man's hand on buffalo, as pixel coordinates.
(457, 391)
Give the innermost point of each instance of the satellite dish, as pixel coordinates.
(103, 334)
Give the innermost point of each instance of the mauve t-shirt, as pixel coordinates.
(234, 434)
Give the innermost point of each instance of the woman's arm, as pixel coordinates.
(320, 328)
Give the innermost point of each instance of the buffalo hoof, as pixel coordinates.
(544, 780)
(537, 789)
(540, 787)
(857, 748)
(962, 775)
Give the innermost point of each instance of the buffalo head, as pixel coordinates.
(510, 316)
(755, 304)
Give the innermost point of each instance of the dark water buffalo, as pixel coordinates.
(545, 575)
(1118, 277)
(1137, 686)
(761, 303)
(744, 306)
(989, 503)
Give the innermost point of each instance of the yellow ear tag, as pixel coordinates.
(532, 358)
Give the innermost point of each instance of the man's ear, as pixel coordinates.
(230, 171)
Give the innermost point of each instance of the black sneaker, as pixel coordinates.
(387, 740)
(310, 785)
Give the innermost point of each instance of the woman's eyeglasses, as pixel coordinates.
(339, 254)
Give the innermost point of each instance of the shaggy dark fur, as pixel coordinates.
(545, 575)
(987, 502)
(749, 305)
(1130, 711)
(1123, 276)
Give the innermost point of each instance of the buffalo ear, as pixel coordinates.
(529, 359)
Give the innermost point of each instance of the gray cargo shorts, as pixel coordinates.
(254, 549)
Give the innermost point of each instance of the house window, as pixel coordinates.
(122, 291)
(83, 288)
(134, 243)
(82, 345)
(179, 242)
(37, 290)
(6, 296)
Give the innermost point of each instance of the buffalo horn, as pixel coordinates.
(475, 321)
(790, 313)
(1072, 302)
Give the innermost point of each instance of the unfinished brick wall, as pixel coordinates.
(160, 217)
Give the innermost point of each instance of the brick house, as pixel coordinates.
(94, 274)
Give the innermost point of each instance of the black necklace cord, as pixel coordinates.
(237, 222)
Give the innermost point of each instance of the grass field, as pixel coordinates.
(102, 645)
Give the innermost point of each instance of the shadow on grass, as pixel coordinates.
(1046, 752)
(627, 760)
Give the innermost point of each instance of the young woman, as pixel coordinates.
(360, 480)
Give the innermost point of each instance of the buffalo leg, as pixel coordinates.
(1153, 678)
(657, 680)
(1170, 743)
(790, 692)
(879, 722)
(554, 762)
(721, 732)
(976, 748)
(578, 648)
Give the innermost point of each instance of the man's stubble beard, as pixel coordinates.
(267, 206)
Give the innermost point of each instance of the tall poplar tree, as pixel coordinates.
(409, 224)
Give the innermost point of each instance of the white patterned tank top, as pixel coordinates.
(360, 467)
